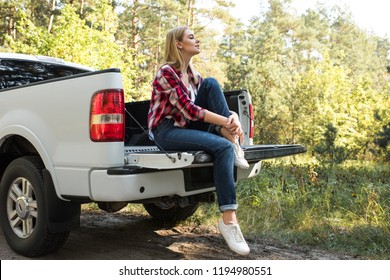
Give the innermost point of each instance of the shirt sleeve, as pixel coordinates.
(178, 97)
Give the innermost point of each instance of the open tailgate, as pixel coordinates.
(152, 157)
(261, 152)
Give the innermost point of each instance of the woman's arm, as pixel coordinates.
(169, 82)
(216, 119)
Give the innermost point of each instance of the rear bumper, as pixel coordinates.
(139, 184)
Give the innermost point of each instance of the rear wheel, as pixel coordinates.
(23, 209)
(170, 211)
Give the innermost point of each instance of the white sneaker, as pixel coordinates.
(239, 156)
(234, 238)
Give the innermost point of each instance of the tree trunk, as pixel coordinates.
(9, 19)
(82, 3)
(9, 26)
(134, 23)
(52, 9)
(190, 9)
(157, 56)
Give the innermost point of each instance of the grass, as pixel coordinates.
(343, 209)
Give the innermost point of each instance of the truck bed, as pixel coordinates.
(138, 142)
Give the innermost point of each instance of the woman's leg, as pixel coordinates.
(211, 97)
(185, 139)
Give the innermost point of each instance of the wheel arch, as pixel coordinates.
(17, 141)
(25, 143)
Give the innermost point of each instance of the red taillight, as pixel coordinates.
(107, 116)
(252, 122)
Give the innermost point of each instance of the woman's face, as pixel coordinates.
(189, 45)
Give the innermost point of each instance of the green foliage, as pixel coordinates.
(307, 72)
(327, 149)
(304, 72)
(383, 140)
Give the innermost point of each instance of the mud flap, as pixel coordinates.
(63, 215)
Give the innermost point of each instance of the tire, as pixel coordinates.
(23, 209)
(170, 212)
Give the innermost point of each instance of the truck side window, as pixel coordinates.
(17, 72)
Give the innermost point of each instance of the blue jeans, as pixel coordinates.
(199, 137)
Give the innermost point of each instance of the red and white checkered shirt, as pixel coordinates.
(172, 99)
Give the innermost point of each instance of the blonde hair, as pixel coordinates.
(172, 56)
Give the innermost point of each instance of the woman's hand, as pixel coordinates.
(230, 127)
(233, 126)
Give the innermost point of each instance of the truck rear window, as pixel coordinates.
(19, 72)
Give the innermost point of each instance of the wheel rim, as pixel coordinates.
(22, 207)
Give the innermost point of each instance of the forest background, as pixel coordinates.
(316, 79)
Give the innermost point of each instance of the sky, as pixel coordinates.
(370, 15)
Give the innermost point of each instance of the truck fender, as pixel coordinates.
(30, 136)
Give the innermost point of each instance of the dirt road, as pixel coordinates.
(123, 236)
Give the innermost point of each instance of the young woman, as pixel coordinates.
(184, 110)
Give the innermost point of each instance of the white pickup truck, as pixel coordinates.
(68, 137)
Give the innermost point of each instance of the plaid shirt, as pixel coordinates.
(171, 99)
